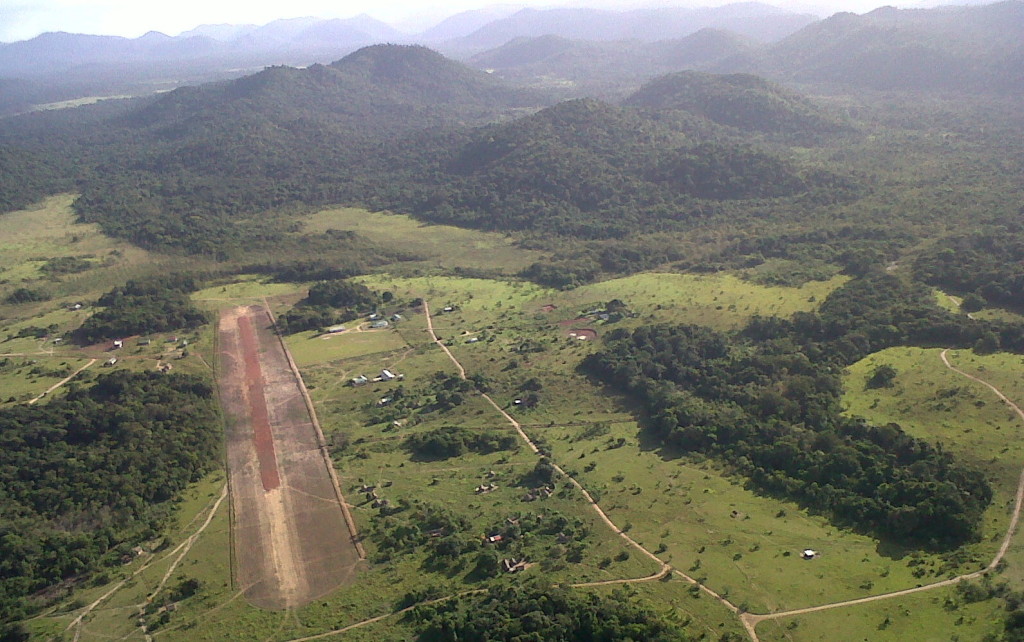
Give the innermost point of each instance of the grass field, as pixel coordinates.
(513, 334)
(245, 288)
(931, 402)
(313, 347)
(48, 230)
(439, 245)
(932, 616)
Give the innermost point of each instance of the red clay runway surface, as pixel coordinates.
(290, 540)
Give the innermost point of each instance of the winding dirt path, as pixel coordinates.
(750, 620)
(186, 545)
(664, 567)
(63, 381)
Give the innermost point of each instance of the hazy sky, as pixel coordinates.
(22, 19)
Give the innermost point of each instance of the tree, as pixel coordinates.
(882, 377)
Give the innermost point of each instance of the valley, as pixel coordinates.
(387, 347)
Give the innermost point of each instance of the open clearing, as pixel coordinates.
(291, 541)
(436, 244)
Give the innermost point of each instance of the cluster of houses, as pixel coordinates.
(377, 320)
(385, 375)
(372, 498)
(538, 493)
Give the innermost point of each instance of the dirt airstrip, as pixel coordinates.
(291, 543)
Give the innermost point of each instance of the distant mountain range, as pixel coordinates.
(606, 69)
(751, 19)
(584, 52)
(948, 48)
(967, 49)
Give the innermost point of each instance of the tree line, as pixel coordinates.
(766, 400)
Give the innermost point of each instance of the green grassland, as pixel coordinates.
(23, 379)
(514, 335)
(752, 555)
(934, 403)
(941, 615)
(48, 230)
(439, 245)
(314, 347)
(245, 288)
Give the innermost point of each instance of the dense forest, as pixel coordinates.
(766, 400)
(988, 264)
(552, 614)
(88, 476)
(327, 303)
(157, 304)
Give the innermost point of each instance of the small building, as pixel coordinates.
(58, 340)
(448, 308)
(111, 361)
(387, 375)
(472, 339)
(334, 329)
(361, 380)
(374, 317)
(383, 401)
(144, 342)
(494, 539)
(809, 554)
(118, 343)
(512, 565)
(397, 317)
(377, 325)
(77, 306)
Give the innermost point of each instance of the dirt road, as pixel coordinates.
(751, 620)
(291, 541)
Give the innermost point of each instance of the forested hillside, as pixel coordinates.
(954, 48)
(738, 100)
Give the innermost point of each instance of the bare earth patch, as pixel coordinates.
(291, 542)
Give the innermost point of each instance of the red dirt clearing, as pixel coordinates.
(262, 436)
(291, 540)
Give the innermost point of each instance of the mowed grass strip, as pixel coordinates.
(248, 287)
(313, 347)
